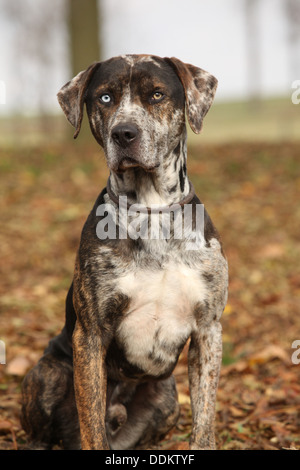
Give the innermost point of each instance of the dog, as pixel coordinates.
(105, 382)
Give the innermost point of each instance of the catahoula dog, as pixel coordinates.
(105, 382)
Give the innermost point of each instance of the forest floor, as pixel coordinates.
(252, 193)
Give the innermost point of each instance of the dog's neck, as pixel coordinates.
(168, 184)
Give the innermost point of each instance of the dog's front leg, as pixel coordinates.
(205, 355)
(90, 388)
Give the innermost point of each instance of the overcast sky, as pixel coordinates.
(207, 33)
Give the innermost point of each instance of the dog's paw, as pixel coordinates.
(116, 417)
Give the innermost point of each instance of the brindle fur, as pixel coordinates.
(106, 381)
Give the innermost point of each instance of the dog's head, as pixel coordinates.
(136, 106)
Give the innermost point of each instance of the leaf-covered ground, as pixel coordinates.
(252, 193)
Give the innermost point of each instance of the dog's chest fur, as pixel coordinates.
(160, 316)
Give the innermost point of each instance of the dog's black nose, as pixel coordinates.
(124, 134)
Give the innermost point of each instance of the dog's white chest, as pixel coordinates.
(160, 316)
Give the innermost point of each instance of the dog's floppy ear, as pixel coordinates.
(71, 96)
(199, 88)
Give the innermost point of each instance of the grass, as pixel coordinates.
(272, 120)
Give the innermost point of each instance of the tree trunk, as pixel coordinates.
(84, 34)
(253, 51)
(84, 41)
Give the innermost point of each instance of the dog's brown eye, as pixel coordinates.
(157, 96)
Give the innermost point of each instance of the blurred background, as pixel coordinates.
(245, 167)
(251, 46)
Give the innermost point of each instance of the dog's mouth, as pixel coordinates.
(127, 163)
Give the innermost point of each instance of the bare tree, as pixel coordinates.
(85, 48)
(292, 9)
(83, 19)
(253, 49)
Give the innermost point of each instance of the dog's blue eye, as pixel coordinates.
(105, 98)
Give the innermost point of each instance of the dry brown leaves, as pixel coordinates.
(252, 194)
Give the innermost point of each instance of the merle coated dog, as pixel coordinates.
(106, 380)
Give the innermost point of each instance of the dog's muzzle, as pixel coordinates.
(126, 137)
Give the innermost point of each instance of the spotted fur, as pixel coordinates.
(134, 303)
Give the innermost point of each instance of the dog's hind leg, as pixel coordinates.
(49, 414)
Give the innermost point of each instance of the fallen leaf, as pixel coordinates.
(228, 310)
(272, 251)
(236, 412)
(182, 445)
(5, 426)
(18, 366)
(239, 366)
(268, 353)
(183, 399)
(276, 396)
